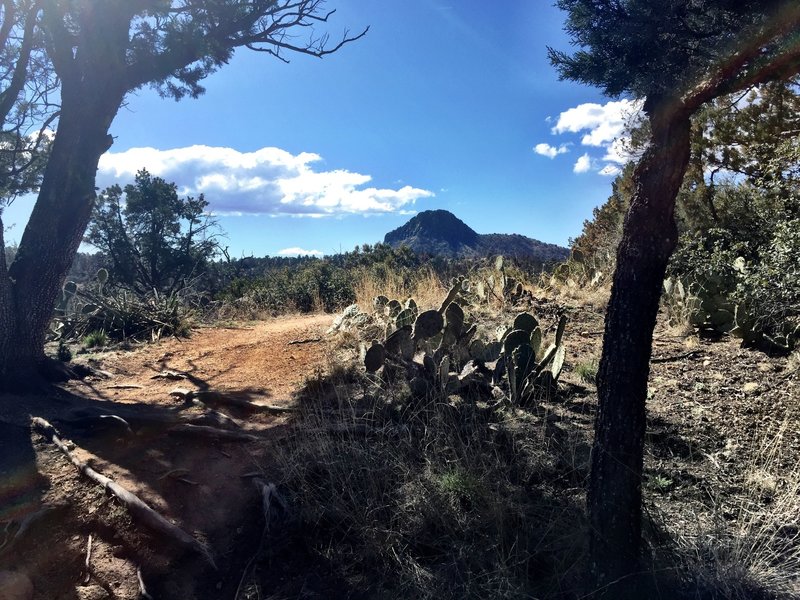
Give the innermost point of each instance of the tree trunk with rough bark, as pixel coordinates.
(32, 283)
(649, 237)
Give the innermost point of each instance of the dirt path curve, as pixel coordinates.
(201, 485)
(259, 361)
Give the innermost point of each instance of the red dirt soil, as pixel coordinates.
(195, 483)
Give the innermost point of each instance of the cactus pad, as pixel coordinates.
(428, 324)
(526, 321)
(375, 357)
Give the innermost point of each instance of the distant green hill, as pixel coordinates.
(441, 233)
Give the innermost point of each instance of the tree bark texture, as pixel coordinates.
(92, 91)
(649, 237)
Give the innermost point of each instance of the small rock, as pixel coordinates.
(15, 586)
(750, 387)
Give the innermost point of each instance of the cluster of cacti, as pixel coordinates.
(399, 315)
(512, 290)
(704, 306)
(440, 354)
(70, 310)
(708, 306)
(532, 370)
(576, 272)
(409, 331)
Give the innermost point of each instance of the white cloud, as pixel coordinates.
(268, 181)
(583, 164)
(604, 122)
(550, 151)
(603, 126)
(295, 251)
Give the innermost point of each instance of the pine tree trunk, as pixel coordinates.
(54, 230)
(649, 237)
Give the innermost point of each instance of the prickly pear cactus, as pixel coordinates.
(513, 340)
(428, 324)
(536, 339)
(451, 296)
(374, 358)
(520, 367)
(405, 317)
(526, 321)
(393, 308)
(379, 303)
(102, 277)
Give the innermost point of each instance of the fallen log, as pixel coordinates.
(138, 508)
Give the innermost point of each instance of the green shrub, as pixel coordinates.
(733, 287)
(587, 371)
(769, 288)
(121, 315)
(95, 339)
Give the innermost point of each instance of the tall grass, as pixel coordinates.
(425, 286)
(433, 498)
(750, 549)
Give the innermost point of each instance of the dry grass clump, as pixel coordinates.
(435, 498)
(751, 548)
(426, 287)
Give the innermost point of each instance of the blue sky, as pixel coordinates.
(447, 105)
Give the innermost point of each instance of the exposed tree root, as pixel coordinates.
(88, 562)
(170, 375)
(142, 589)
(212, 398)
(102, 423)
(138, 509)
(24, 525)
(125, 416)
(215, 417)
(212, 432)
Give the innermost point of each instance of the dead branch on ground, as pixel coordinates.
(664, 359)
(305, 341)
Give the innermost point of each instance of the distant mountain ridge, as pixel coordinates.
(441, 233)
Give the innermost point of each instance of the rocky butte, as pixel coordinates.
(441, 233)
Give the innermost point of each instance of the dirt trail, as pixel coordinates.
(259, 360)
(196, 483)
